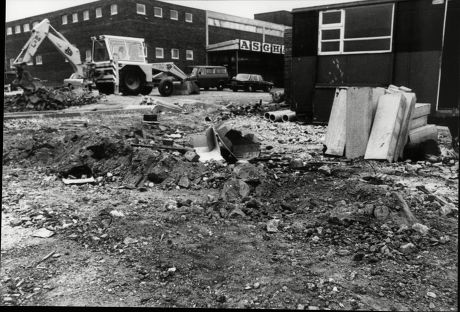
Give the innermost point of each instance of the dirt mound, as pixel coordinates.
(47, 99)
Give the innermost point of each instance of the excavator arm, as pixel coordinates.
(39, 33)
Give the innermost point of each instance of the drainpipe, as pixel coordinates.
(442, 50)
(207, 35)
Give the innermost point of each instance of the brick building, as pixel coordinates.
(183, 35)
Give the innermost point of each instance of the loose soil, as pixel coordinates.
(141, 236)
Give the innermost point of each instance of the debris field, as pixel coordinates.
(141, 221)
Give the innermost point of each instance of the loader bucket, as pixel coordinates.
(207, 146)
(185, 88)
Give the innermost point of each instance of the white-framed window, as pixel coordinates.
(86, 15)
(30, 62)
(34, 24)
(26, 27)
(175, 54)
(9, 31)
(11, 62)
(17, 29)
(189, 17)
(159, 53)
(64, 19)
(74, 17)
(98, 12)
(158, 12)
(189, 55)
(38, 60)
(356, 30)
(140, 8)
(88, 54)
(174, 15)
(113, 9)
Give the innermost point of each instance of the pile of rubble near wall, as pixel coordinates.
(47, 99)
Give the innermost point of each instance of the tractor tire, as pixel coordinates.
(146, 90)
(105, 88)
(165, 87)
(131, 82)
(220, 86)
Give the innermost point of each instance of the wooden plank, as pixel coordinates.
(404, 132)
(336, 127)
(425, 133)
(358, 121)
(421, 109)
(418, 122)
(386, 127)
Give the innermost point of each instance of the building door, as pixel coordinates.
(449, 92)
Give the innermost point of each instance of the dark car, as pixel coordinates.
(250, 82)
(210, 76)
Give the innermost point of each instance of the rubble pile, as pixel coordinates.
(47, 99)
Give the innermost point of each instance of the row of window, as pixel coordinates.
(158, 12)
(98, 13)
(140, 9)
(159, 54)
(245, 27)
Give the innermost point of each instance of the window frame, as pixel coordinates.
(177, 15)
(24, 27)
(88, 56)
(64, 19)
(11, 62)
(74, 17)
(162, 53)
(112, 10)
(86, 15)
(140, 5)
(34, 24)
(16, 28)
(155, 13)
(9, 31)
(172, 54)
(187, 58)
(191, 17)
(99, 9)
(38, 59)
(342, 39)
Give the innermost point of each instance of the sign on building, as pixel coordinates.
(258, 46)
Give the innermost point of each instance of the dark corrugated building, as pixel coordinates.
(414, 43)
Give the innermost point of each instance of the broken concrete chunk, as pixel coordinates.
(325, 169)
(43, 233)
(235, 189)
(422, 229)
(272, 225)
(407, 248)
(191, 156)
(381, 212)
(184, 182)
(296, 163)
(129, 240)
(247, 172)
(236, 212)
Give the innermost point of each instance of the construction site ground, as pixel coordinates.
(293, 230)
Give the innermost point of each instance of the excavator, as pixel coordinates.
(41, 31)
(118, 64)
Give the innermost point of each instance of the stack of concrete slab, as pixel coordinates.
(376, 123)
(420, 131)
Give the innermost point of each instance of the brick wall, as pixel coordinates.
(158, 32)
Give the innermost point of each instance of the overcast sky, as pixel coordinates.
(17, 9)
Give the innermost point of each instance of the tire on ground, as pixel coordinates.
(165, 87)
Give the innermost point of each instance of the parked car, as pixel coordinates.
(210, 76)
(250, 82)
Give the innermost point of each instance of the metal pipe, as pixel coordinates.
(267, 115)
(289, 116)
